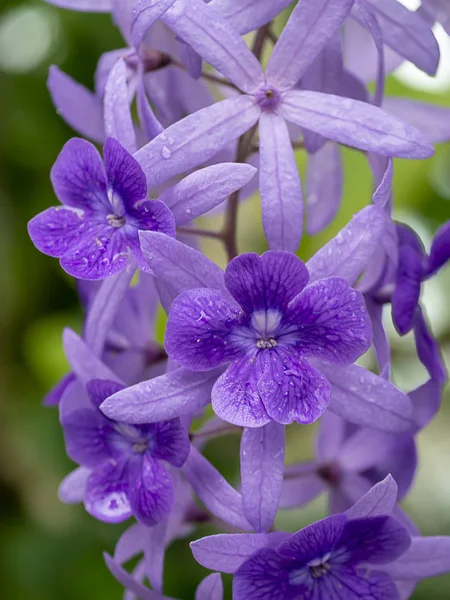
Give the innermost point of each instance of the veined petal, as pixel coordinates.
(247, 15)
(310, 26)
(381, 499)
(145, 13)
(126, 180)
(150, 490)
(406, 32)
(106, 496)
(204, 189)
(116, 102)
(349, 252)
(77, 105)
(86, 434)
(262, 467)
(173, 394)
(214, 491)
(426, 557)
(182, 146)
(281, 190)
(129, 582)
(170, 442)
(368, 16)
(55, 230)
(204, 28)
(364, 398)
(355, 124)
(211, 588)
(324, 187)
(149, 123)
(198, 330)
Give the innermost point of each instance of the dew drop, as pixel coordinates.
(166, 152)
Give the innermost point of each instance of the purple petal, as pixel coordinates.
(83, 361)
(84, 5)
(426, 557)
(426, 400)
(79, 107)
(281, 190)
(150, 490)
(126, 180)
(100, 389)
(407, 33)
(383, 194)
(363, 398)
(365, 448)
(428, 349)
(407, 289)
(331, 435)
(300, 490)
(87, 433)
(204, 189)
(78, 177)
(191, 60)
(333, 321)
(149, 123)
(235, 397)
(73, 486)
(204, 28)
(104, 308)
(226, 552)
(349, 584)
(349, 252)
(375, 540)
(170, 442)
(182, 146)
(248, 15)
(57, 229)
(106, 496)
(310, 26)
(180, 267)
(267, 281)
(106, 62)
(324, 187)
(100, 251)
(154, 553)
(429, 119)
(381, 499)
(129, 582)
(380, 338)
(130, 544)
(262, 467)
(440, 249)
(145, 13)
(198, 330)
(355, 124)
(214, 491)
(54, 396)
(368, 17)
(171, 395)
(292, 390)
(118, 120)
(264, 577)
(211, 588)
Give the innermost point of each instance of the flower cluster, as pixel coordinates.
(271, 341)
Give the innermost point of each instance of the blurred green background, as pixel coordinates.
(49, 551)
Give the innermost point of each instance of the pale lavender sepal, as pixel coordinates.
(149, 123)
(145, 13)
(332, 431)
(129, 582)
(300, 489)
(83, 362)
(77, 105)
(202, 27)
(214, 491)
(84, 5)
(383, 193)
(310, 26)
(381, 499)
(154, 550)
(204, 189)
(364, 398)
(211, 588)
(226, 552)
(380, 337)
(366, 448)
(281, 190)
(73, 486)
(324, 186)
(103, 309)
(104, 65)
(116, 102)
(426, 557)
(433, 121)
(246, 15)
(407, 33)
(369, 18)
(355, 124)
(437, 10)
(349, 252)
(262, 467)
(182, 146)
(176, 393)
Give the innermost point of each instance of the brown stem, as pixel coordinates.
(260, 39)
(218, 235)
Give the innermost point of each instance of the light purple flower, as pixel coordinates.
(127, 473)
(95, 232)
(278, 323)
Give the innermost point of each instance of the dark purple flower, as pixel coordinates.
(95, 232)
(128, 476)
(277, 325)
(328, 559)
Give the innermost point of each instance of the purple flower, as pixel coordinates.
(127, 474)
(277, 326)
(95, 232)
(327, 559)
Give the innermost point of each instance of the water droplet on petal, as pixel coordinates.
(166, 152)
